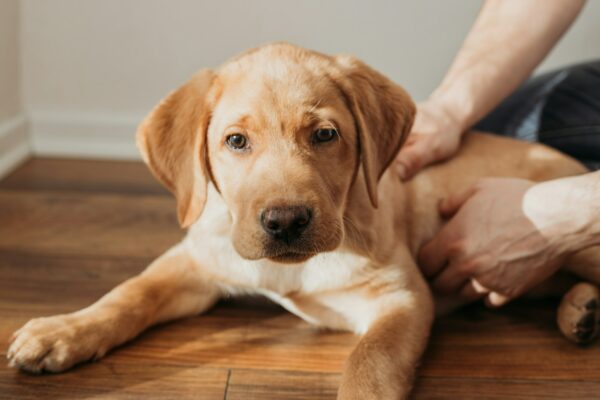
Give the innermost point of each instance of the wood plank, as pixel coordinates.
(520, 341)
(102, 225)
(502, 389)
(117, 380)
(41, 286)
(293, 385)
(245, 384)
(87, 176)
(235, 336)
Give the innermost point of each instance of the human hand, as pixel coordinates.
(435, 136)
(499, 242)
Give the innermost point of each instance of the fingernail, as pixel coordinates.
(479, 288)
(497, 300)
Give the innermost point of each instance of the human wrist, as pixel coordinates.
(455, 106)
(446, 118)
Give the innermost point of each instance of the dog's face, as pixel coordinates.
(282, 133)
(283, 151)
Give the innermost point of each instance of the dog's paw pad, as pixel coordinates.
(592, 304)
(579, 315)
(586, 327)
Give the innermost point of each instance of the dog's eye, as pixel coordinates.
(237, 141)
(324, 135)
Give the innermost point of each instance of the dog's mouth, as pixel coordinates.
(290, 257)
(289, 253)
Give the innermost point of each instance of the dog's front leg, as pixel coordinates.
(171, 287)
(383, 364)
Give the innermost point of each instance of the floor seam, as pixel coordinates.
(227, 384)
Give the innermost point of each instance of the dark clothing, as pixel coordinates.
(560, 109)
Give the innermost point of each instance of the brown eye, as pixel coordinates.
(324, 135)
(237, 141)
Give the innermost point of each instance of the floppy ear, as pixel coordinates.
(383, 113)
(172, 140)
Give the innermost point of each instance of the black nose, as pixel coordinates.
(285, 223)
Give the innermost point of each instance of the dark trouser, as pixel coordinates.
(560, 109)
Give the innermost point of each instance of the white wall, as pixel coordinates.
(9, 68)
(91, 69)
(13, 139)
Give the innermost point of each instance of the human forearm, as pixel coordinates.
(566, 210)
(507, 41)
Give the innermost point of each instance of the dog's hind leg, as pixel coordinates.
(171, 287)
(578, 315)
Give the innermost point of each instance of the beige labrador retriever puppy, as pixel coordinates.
(279, 163)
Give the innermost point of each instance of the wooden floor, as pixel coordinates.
(71, 230)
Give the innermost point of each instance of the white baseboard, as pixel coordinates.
(84, 135)
(14, 143)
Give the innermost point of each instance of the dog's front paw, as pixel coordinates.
(54, 344)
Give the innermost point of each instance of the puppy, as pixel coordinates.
(279, 164)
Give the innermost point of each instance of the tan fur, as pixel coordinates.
(354, 266)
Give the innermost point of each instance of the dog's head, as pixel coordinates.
(281, 132)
